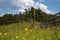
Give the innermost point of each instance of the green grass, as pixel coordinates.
(17, 32)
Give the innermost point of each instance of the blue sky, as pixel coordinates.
(15, 6)
(53, 5)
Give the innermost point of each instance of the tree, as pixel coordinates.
(7, 19)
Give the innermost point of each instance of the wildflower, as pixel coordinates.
(0, 33)
(23, 38)
(26, 29)
(17, 37)
(30, 30)
(5, 33)
(59, 36)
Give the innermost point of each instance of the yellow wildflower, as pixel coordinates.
(26, 29)
(30, 30)
(0, 33)
(5, 33)
(16, 36)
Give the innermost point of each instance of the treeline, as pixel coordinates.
(29, 15)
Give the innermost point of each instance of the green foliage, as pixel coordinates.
(30, 15)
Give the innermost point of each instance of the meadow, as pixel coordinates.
(26, 31)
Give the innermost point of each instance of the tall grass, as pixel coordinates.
(23, 32)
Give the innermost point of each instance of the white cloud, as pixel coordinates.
(43, 7)
(24, 4)
(21, 10)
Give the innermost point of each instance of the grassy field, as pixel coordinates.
(26, 31)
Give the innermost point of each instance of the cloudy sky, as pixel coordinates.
(15, 6)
